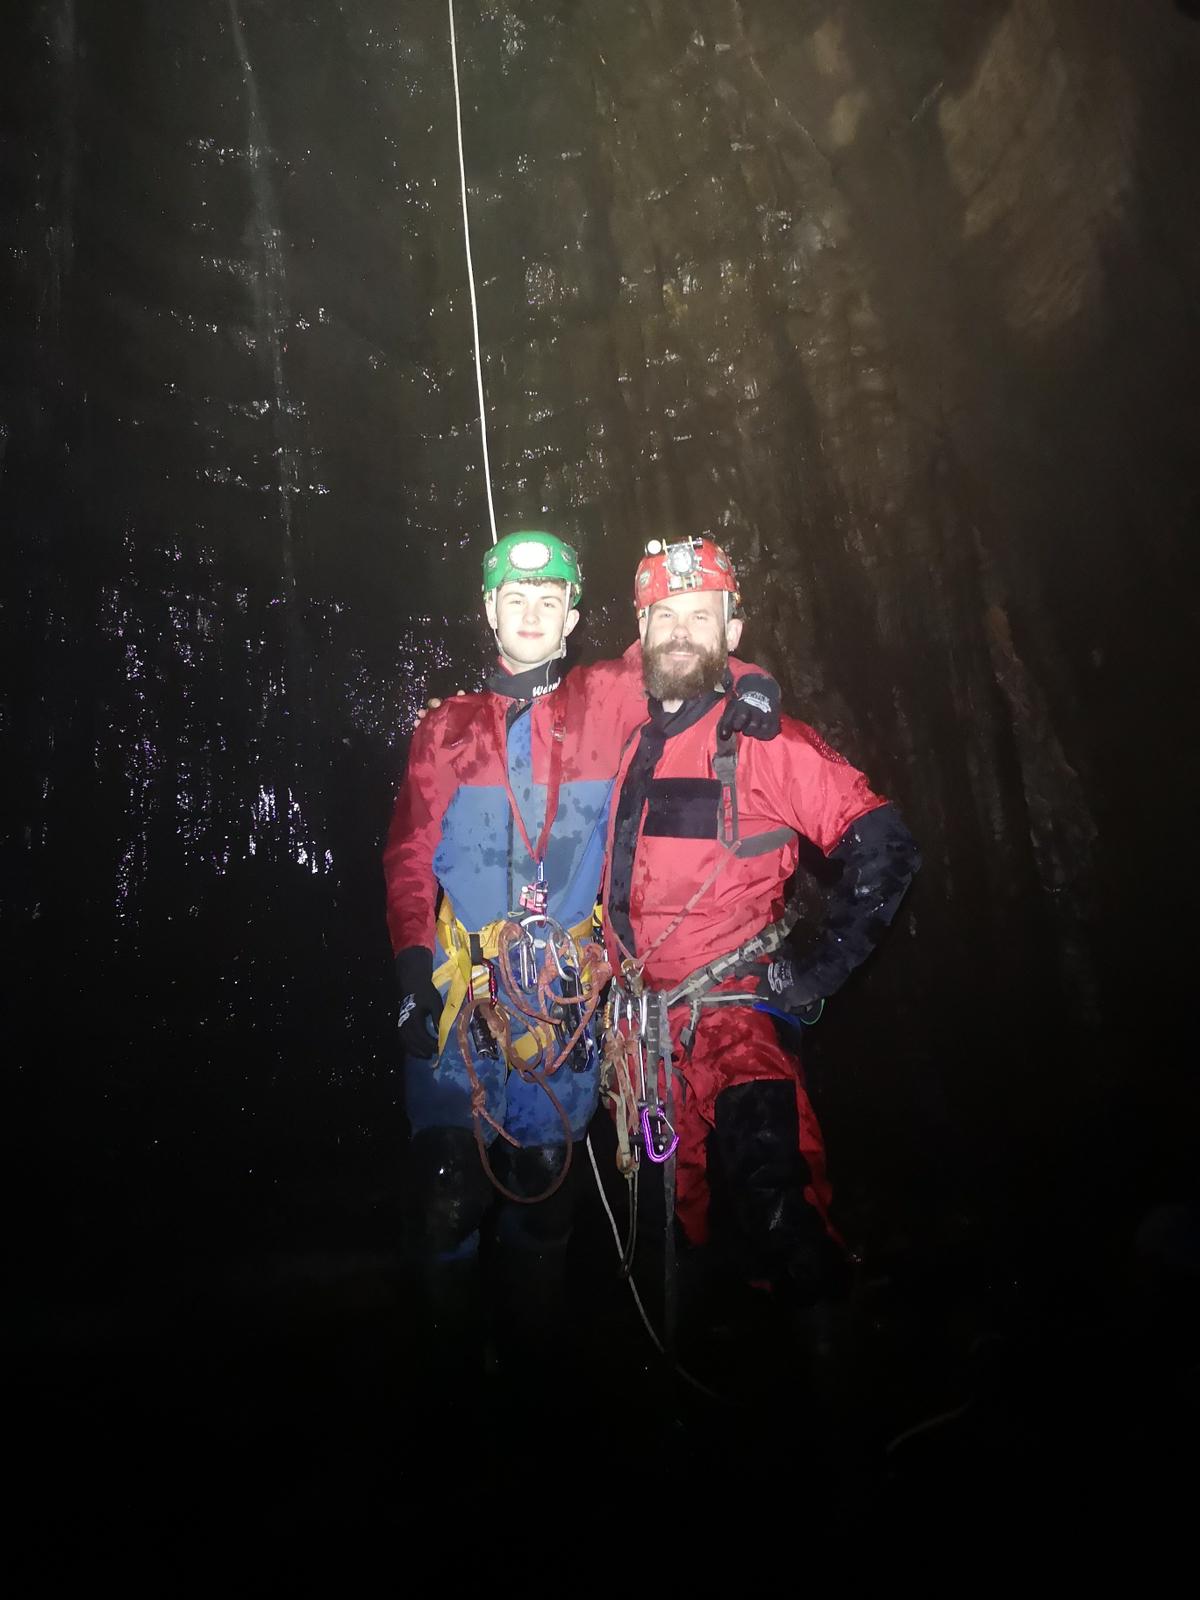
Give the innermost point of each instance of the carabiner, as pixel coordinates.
(569, 973)
(527, 953)
(658, 1136)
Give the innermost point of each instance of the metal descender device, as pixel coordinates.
(539, 932)
(646, 1016)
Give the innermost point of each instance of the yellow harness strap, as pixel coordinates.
(463, 978)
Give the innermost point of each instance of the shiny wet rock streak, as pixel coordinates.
(898, 302)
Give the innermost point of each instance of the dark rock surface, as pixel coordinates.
(898, 301)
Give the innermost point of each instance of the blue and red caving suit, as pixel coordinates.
(453, 834)
(743, 1095)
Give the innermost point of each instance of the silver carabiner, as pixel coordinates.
(568, 974)
(527, 958)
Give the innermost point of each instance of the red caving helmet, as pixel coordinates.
(686, 565)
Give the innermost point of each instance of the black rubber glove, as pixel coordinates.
(751, 707)
(790, 987)
(420, 1003)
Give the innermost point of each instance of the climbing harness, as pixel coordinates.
(552, 977)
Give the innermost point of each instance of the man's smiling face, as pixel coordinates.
(686, 643)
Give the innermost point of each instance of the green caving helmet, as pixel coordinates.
(530, 557)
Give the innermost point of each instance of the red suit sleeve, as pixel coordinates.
(805, 783)
(416, 828)
(800, 779)
(613, 699)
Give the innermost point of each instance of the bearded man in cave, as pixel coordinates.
(702, 843)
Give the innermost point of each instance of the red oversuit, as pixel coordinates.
(677, 899)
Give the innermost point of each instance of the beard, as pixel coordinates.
(682, 680)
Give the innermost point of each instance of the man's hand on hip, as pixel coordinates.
(786, 985)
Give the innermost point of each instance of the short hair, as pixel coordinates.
(535, 583)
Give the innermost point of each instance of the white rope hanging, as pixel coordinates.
(462, 173)
(487, 478)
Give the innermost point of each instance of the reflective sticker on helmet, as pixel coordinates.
(722, 562)
(531, 556)
(643, 580)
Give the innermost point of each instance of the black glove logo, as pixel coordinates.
(781, 976)
(751, 708)
(420, 1003)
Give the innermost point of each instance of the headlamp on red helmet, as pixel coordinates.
(686, 565)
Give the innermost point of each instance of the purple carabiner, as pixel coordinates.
(648, 1138)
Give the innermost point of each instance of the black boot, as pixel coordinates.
(758, 1178)
(449, 1195)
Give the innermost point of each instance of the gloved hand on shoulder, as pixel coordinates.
(420, 1003)
(751, 707)
(787, 986)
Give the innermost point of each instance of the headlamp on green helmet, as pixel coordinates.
(532, 558)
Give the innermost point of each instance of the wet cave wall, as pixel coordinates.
(897, 301)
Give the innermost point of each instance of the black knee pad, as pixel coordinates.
(756, 1134)
(528, 1172)
(758, 1177)
(449, 1191)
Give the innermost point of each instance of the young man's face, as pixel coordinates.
(686, 643)
(530, 621)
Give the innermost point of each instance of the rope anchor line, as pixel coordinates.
(462, 176)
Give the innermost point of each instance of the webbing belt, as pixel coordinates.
(695, 990)
(466, 973)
